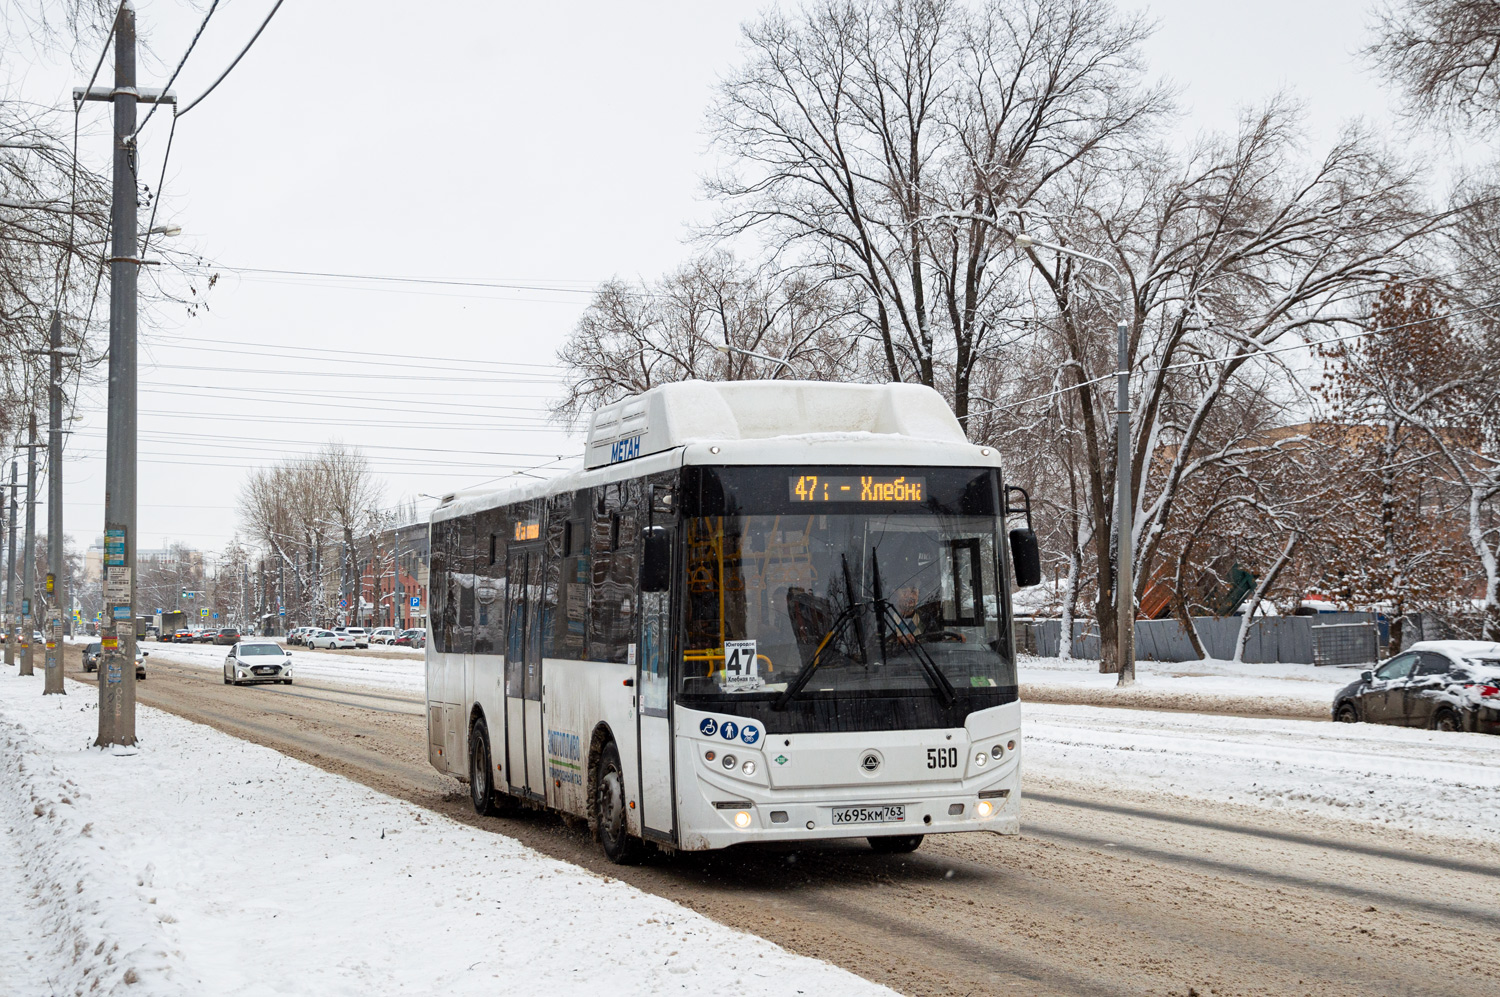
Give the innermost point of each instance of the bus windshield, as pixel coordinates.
(818, 600)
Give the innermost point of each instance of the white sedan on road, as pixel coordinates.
(257, 661)
(331, 640)
(384, 635)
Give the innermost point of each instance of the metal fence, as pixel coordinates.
(1325, 639)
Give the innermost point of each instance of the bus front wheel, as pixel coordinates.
(895, 844)
(609, 809)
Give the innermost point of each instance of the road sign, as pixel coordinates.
(51, 581)
(203, 612)
(216, 616)
(343, 603)
(416, 602)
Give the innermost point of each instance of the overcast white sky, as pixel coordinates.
(554, 144)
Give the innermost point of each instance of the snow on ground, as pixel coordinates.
(1428, 781)
(406, 673)
(1281, 689)
(202, 864)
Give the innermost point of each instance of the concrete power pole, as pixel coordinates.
(117, 670)
(28, 564)
(53, 685)
(10, 576)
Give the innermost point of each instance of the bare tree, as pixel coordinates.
(1443, 55)
(1225, 256)
(853, 122)
(713, 319)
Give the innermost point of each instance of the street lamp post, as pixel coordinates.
(1124, 507)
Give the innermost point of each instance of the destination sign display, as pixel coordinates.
(856, 488)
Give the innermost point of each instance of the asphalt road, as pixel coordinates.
(1101, 894)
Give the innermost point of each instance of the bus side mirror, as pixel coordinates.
(656, 560)
(1025, 558)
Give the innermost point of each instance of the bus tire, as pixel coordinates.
(895, 844)
(481, 781)
(610, 809)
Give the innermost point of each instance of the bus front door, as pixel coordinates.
(523, 676)
(653, 684)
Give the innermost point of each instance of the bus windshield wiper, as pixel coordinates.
(797, 684)
(930, 670)
(886, 615)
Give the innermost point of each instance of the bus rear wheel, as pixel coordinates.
(610, 807)
(896, 844)
(481, 784)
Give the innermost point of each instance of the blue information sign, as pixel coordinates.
(114, 548)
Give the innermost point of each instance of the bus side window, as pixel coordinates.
(437, 586)
(462, 569)
(489, 582)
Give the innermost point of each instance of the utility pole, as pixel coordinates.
(28, 565)
(117, 670)
(10, 575)
(53, 685)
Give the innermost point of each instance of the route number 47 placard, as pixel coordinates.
(741, 667)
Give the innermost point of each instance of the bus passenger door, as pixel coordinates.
(653, 685)
(520, 607)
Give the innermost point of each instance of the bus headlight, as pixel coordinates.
(748, 768)
(981, 759)
(742, 819)
(985, 808)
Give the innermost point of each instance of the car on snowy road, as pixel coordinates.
(93, 652)
(330, 640)
(257, 661)
(384, 635)
(1451, 685)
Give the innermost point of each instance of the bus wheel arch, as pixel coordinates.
(488, 799)
(608, 800)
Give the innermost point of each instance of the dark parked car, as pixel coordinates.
(1442, 684)
(93, 652)
(412, 638)
(227, 635)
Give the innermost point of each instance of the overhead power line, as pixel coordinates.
(190, 343)
(214, 85)
(173, 78)
(496, 285)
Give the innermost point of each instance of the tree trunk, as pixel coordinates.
(1070, 598)
(1260, 593)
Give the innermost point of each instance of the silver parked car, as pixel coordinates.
(258, 661)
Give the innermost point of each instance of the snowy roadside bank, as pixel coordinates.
(1211, 686)
(351, 667)
(1427, 781)
(206, 865)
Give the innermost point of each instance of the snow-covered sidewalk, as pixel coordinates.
(1427, 781)
(206, 865)
(1212, 686)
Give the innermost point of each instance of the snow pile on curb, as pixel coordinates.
(1427, 781)
(207, 865)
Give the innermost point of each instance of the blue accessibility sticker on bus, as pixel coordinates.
(708, 726)
(749, 734)
(728, 730)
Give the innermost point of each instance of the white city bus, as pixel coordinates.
(761, 611)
